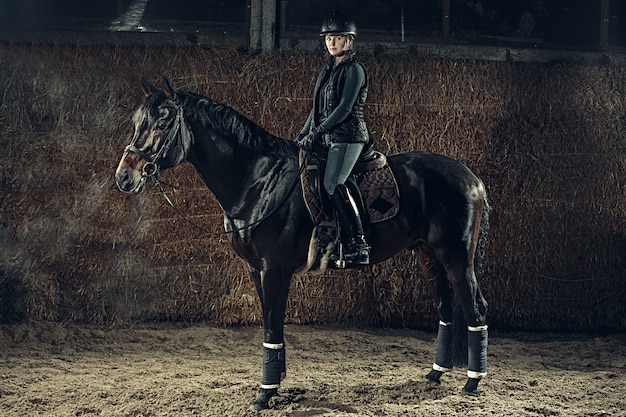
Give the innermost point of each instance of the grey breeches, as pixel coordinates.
(341, 160)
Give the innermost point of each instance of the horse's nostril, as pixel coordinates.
(123, 179)
(122, 176)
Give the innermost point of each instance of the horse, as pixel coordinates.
(442, 218)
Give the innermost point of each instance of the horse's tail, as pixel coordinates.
(482, 240)
(459, 356)
(460, 325)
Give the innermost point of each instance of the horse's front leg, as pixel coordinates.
(274, 289)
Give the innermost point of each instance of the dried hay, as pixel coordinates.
(548, 141)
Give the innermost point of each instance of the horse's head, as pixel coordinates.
(161, 140)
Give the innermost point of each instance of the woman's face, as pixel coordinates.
(337, 45)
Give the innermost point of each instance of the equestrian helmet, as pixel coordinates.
(338, 22)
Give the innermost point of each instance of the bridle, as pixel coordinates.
(150, 171)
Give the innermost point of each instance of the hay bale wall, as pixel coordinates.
(548, 141)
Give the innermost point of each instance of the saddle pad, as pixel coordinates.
(375, 180)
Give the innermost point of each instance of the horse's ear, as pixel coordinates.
(167, 88)
(146, 87)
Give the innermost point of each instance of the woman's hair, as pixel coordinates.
(350, 37)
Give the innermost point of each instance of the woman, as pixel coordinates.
(337, 125)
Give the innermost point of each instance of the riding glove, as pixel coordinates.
(307, 140)
(304, 141)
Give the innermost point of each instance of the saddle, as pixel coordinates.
(372, 180)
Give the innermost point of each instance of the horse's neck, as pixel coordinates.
(239, 178)
(240, 162)
(219, 169)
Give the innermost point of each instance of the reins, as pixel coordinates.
(181, 215)
(157, 183)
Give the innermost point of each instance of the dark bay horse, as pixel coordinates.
(442, 217)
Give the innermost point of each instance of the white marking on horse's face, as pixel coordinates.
(128, 174)
(151, 130)
(144, 137)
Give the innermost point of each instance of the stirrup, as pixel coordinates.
(357, 253)
(354, 253)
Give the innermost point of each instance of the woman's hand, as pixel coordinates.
(306, 141)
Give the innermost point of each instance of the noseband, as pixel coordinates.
(151, 168)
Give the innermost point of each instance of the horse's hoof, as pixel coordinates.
(262, 400)
(258, 406)
(434, 377)
(471, 388)
(475, 393)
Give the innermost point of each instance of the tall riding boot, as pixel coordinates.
(356, 249)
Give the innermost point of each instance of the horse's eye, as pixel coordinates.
(161, 125)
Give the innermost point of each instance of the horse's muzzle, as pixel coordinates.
(127, 182)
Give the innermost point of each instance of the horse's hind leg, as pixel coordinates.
(460, 252)
(450, 266)
(467, 291)
(437, 279)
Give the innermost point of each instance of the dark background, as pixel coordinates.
(536, 23)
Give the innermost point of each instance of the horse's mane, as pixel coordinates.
(227, 120)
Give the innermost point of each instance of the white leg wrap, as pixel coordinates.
(477, 352)
(274, 346)
(477, 329)
(476, 375)
(441, 368)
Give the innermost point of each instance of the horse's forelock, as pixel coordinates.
(149, 111)
(153, 102)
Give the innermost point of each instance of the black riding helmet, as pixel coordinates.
(338, 22)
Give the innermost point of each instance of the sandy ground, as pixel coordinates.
(175, 370)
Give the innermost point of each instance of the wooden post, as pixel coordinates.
(256, 9)
(248, 23)
(283, 15)
(262, 25)
(604, 25)
(446, 19)
(268, 25)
